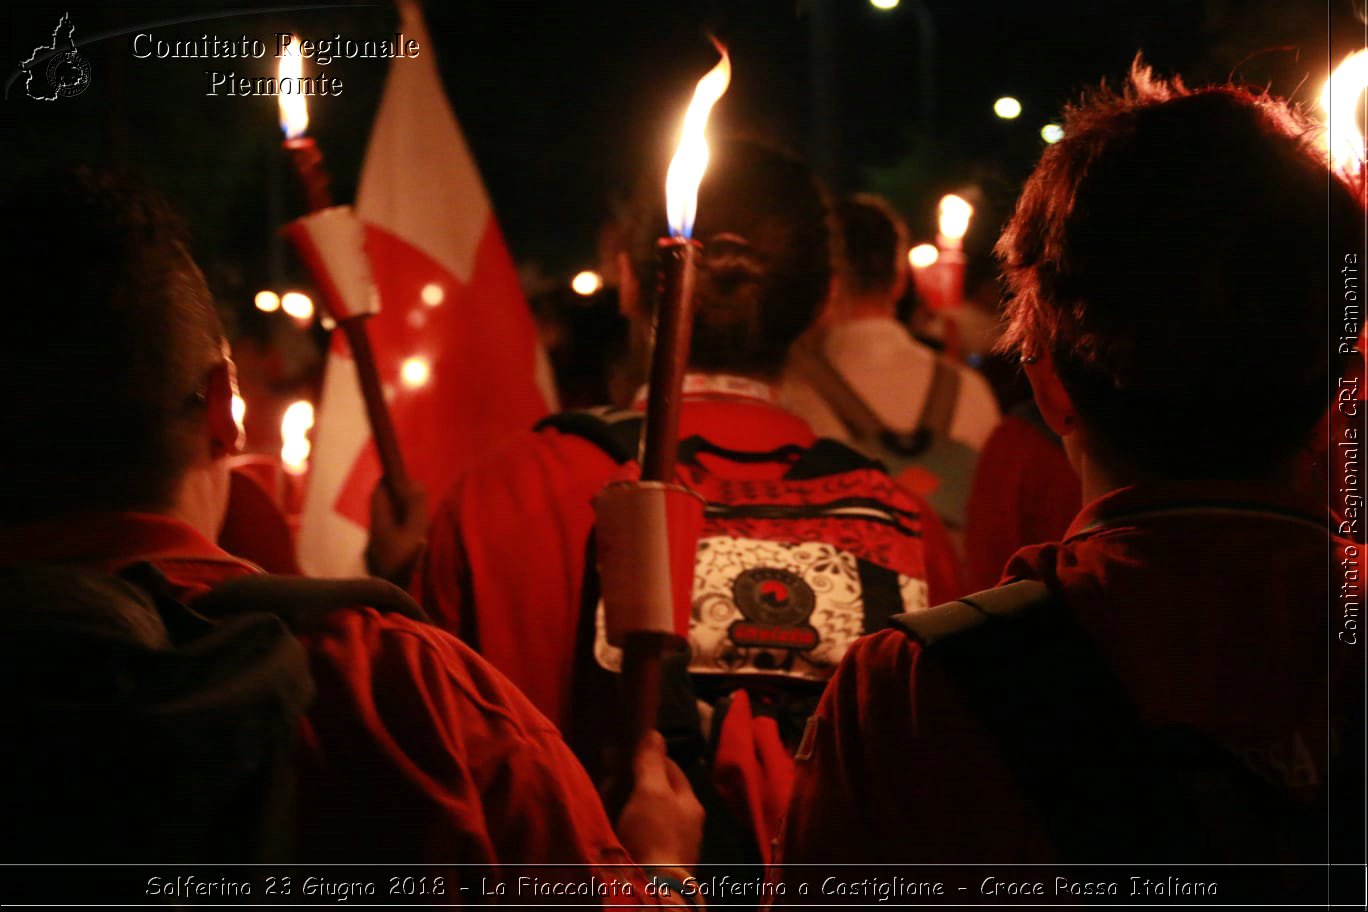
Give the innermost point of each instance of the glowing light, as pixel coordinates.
(239, 410)
(432, 294)
(295, 425)
(884, 5)
(294, 109)
(923, 255)
(1007, 107)
(586, 282)
(415, 372)
(1342, 100)
(267, 301)
(955, 212)
(1052, 133)
(691, 155)
(298, 305)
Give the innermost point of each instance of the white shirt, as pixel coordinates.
(892, 373)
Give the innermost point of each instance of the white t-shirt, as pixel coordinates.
(892, 373)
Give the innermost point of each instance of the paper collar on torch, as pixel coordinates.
(647, 541)
(332, 244)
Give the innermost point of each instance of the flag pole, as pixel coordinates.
(349, 315)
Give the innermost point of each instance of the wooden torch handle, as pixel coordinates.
(311, 171)
(377, 411)
(641, 657)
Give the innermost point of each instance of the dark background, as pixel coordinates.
(565, 103)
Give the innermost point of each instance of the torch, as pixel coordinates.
(939, 271)
(331, 241)
(953, 223)
(648, 530)
(923, 258)
(1342, 100)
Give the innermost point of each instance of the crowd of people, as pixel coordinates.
(1087, 630)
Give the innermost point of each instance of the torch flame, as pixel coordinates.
(294, 109)
(923, 255)
(1341, 100)
(691, 155)
(295, 425)
(955, 212)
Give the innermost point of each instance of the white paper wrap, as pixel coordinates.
(647, 535)
(333, 244)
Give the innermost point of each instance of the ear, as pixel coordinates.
(225, 437)
(629, 291)
(1053, 400)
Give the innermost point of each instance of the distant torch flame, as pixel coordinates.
(955, 212)
(1342, 99)
(294, 436)
(691, 155)
(923, 255)
(294, 110)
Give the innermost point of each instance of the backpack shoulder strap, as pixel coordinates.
(302, 603)
(117, 664)
(618, 432)
(935, 624)
(830, 457)
(1066, 728)
(1055, 713)
(615, 431)
(941, 398)
(810, 363)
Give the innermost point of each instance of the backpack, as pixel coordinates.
(789, 573)
(926, 459)
(138, 729)
(1108, 786)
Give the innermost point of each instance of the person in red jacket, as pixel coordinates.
(414, 750)
(1024, 492)
(506, 553)
(1156, 687)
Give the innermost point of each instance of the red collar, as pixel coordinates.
(110, 541)
(1141, 503)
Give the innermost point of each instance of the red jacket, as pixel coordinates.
(504, 564)
(1024, 492)
(415, 750)
(1205, 600)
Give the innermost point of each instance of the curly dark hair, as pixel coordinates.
(765, 269)
(1170, 254)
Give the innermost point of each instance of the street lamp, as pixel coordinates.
(1007, 107)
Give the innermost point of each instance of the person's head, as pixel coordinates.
(1166, 267)
(871, 271)
(765, 266)
(117, 392)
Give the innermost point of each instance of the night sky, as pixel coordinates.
(565, 103)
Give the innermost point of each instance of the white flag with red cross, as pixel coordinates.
(454, 341)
